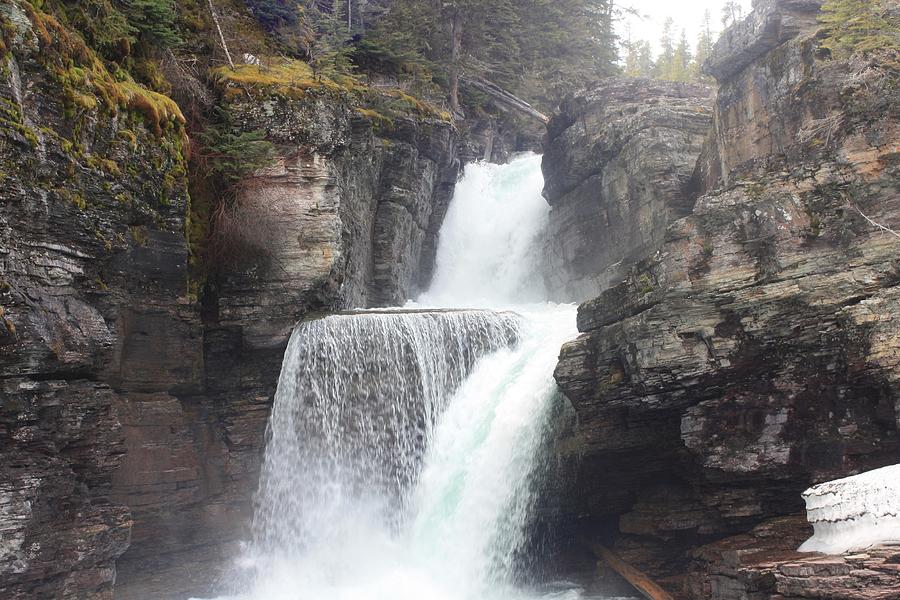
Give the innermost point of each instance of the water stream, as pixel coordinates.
(403, 445)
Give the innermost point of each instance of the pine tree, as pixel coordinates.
(859, 26)
(638, 59)
(731, 13)
(539, 49)
(329, 47)
(273, 13)
(665, 62)
(682, 60)
(154, 21)
(705, 41)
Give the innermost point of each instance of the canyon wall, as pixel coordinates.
(136, 389)
(752, 352)
(618, 164)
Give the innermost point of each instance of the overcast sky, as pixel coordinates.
(688, 15)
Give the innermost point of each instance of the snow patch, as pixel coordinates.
(854, 512)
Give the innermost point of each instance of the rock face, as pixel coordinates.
(92, 257)
(618, 161)
(755, 352)
(133, 413)
(764, 563)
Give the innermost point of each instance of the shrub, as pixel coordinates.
(859, 27)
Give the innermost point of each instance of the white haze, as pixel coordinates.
(687, 15)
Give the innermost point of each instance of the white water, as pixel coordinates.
(404, 446)
(487, 252)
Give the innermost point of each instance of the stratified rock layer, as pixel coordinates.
(347, 217)
(618, 162)
(754, 353)
(764, 563)
(92, 259)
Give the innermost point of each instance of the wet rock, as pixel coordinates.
(764, 563)
(132, 426)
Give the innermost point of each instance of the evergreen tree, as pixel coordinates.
(682, 60)
(665, 62)
(273, 13)
(731, 13)
(638, 59)
(154, 21)
(705, 40)
(859, 26)
(328, 45)
(539, 49)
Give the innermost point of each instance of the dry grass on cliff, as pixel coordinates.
(241, 227)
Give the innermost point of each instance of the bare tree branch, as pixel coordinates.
(875, 223)
(215, 17)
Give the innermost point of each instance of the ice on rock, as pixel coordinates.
(854, 512)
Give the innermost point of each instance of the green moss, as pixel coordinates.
(130, 137)
(139, 235)
(102, 164)
(75, 197)
(87, 85)
(7, 35)
(645, 284)
(103, 240)
(755, 190)
(294, 79)
(379, 121)
(280, 77)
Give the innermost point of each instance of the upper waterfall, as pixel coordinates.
(487, 253)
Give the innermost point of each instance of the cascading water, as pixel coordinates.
(403, 444)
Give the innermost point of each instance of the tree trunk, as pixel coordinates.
(646, 586)
(215, 18)
(489, 142)
(455, 50)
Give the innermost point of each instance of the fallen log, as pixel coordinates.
(646, 586)
(500, 95)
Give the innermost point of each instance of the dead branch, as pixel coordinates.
(875, 223)
(827, 125)
(215, 18)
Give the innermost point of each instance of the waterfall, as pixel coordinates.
(357, 397)
(403, 443)
(487, 251)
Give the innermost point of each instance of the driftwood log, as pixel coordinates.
(646, 586)
(503, 97)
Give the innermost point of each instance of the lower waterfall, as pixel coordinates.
(404, 443)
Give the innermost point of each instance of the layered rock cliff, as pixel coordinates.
(753, 352)
(618, 162)
(92, 250)
(135, 397)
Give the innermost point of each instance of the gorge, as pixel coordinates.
(371, 391)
